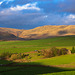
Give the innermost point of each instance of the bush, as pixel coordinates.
(51, 52)
(28, 58)
(63, 51)
(47, 53)
(73, 50)
(18, 56)
(5, 55)
(55, 51)
(15, 56)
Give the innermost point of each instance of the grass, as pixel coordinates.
(31, 45)
(5, 62)
(62, 73)
(36, 71)
(40, 70)
(27, 46)
(59, 60)
(7, 68)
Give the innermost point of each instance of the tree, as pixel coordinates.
(73, 50)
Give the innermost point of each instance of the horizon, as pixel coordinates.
(29, 14)
(35, 27)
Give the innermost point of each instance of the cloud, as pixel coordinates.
(48, 6)
(1, 3)
(29, 6)
(58, 6)
(7, 1)
(32, 20)
(28, 14)
(71, 16)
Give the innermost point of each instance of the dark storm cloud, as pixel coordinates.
(28, 21)
(20, 20)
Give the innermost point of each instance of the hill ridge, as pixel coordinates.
(41, 32)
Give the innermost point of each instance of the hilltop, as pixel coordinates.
(42, 32)
(9, 33)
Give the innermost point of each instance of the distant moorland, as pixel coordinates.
(47, 31)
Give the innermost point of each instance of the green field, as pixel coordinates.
(40, 70)
(54, 65)
(31, 45)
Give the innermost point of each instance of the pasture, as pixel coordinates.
(49, 66)
(59, 65)
(31, 45)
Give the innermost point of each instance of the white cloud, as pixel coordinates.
(45, 16)
(71, 16)
(6, 1)
(31, 6)
(70, 19)
(1, 3)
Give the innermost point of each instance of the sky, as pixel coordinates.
(28, 14)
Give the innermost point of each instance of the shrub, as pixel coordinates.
(55, 51)
(73, 50)
(63, 51)
(51, 52)
(15, 56)
(24, 55)
(18, 56)
(28, 58)
(5, 55)
(46, 53)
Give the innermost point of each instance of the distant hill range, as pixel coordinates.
(37, 33)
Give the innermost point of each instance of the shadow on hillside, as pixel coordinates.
(30, 68)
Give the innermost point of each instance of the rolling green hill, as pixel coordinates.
(31, 45)
(60, 65)
(49, 66)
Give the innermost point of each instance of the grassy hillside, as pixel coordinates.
(48, 31)
(11, 31)
(52, 67)
(61, 61)
(60, 65)
(5, 36)
(31, 45)
(41, 32)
